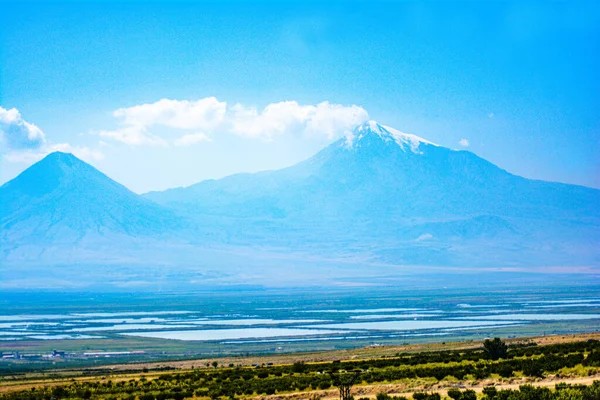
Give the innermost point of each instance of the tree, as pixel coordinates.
(532, 368)
(299, 367)
(455, 394)
(344, 383)
(495, 349)
(215, 364)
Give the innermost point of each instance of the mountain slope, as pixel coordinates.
(386, 192)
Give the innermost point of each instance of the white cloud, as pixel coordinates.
(331, 119)
(26, 143)
(191, 139)
(30, 156)
(18, 133)
(211, 116)
(205, 114)
(463, 142)
(425, 236)
(289, 117)
(275, 119)
(491, 115)
(136, 121)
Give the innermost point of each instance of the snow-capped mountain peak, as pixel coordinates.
(369, 129)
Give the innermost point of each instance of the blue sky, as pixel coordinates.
(250, 84)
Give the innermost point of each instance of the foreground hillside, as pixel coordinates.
(493, 371)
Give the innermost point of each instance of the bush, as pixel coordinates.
(298, 367)
(495, 349)
(59, 392)
(325, 385)
(593, 359)
(469, 395)
(490, 392)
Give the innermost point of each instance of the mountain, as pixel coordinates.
(402, 199)
(381, 172)
(62, 202)
(374, 204)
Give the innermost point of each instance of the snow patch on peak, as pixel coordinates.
(408, 138)
(386, 134)
(370, 127)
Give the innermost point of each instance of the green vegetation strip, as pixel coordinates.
(495, 358)
(526, 392)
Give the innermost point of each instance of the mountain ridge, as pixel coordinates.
(484, 170)
(379, 197)
(382, 188)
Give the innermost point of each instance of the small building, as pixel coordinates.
(56, 353)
